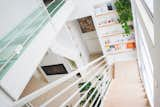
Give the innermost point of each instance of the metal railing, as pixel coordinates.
(13, 43)
(94, 78)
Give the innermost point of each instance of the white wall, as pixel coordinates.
(84, 8)
(148, 52)
(63, 45)
(75, 32)
(13, 12)
(157, 53)
(52, 59)
(92, 42)
(68, 43)
(5, 101)
(64, 39)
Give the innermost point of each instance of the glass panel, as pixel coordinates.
(18, 39)
(53, 5)
(13, 43)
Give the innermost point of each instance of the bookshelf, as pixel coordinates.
(110, 33)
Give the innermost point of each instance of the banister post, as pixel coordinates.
(113, 71)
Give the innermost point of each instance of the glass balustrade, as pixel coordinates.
(55, 6)
(14, 43)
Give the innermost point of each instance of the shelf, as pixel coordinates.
(107, 13)
(120, 52)
(114, 34)
(108, 25)
(131, 41)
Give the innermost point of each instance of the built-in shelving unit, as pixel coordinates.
(113, 39)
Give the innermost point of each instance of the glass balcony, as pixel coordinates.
(15, 42)
(53, 6)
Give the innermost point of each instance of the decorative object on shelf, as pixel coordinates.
(103, 8)
(131, 45)
(110, 7)
(86, 24)
(107, 20)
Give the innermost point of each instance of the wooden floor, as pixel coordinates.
(126, 89)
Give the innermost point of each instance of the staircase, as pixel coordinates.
(84, 87)
(127, 88)
(101, 83)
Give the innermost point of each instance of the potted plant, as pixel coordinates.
(93, 89)
(124, 11)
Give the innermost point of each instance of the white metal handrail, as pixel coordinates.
(50, 86)
(70, 86)
(77, 103)
(46, 103)
(74, 94)
(98, 86)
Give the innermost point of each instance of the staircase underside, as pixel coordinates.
(126, 89)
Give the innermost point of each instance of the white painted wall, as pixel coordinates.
(13, 12)
(156, 53)
(5, 101)
(149, 72)
(64, 39)
(84, 8)
(63, 45)
(75, 32)
(52, 59)
(92, 42)
(69, 43)
(63, 14)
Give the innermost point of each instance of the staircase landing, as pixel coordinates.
(126, 89)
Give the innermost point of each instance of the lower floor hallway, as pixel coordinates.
(126, 89)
